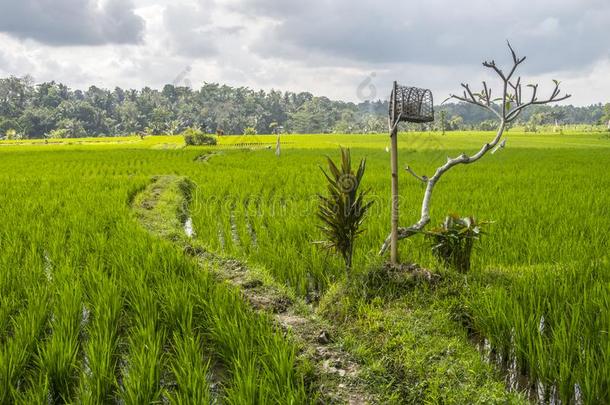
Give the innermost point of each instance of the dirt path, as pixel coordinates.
(339, 378)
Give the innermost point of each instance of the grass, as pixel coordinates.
(95, 305)
(98, 380)
(403, 327)
(95, 309)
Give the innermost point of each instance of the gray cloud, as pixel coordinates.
(188, 26)
(556, 35)
(322, 46)
(193, 30)
(72, 22)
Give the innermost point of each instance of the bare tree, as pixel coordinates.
(512, 105)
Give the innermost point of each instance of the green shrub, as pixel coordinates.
(194, 136)
(58, 133)
(249, 131)
(453, 240)
(72, 128)
(530, 127)
(11, 134)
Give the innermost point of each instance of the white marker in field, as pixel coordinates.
(277, 146)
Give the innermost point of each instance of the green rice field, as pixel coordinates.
(96, 309)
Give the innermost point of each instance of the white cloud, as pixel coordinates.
(327, 48)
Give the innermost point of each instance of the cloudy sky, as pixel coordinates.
(343, 49)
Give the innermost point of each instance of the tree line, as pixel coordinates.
(51, 109)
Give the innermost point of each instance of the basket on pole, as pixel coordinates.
(412, 104)
(407, 104)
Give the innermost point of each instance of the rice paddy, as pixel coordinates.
(95, 308)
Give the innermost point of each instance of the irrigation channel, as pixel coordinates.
(338, 374)
(515, 379)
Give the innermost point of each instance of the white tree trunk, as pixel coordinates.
(424, 218)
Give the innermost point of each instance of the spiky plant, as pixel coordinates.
(453, 240)
(342, 210)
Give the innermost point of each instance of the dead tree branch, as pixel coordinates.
(511, 107)
(423, 179)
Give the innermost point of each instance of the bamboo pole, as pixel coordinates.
(394, 168)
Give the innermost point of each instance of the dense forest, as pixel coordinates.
(51, 109)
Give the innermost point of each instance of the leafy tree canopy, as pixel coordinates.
(36, 110)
